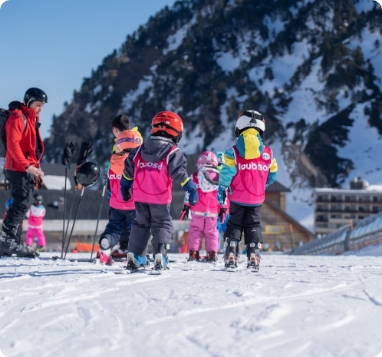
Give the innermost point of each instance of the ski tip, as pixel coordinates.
(154, 272)
(231, 270)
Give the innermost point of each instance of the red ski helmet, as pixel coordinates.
(168, 124)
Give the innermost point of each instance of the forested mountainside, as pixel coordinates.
(313, 68)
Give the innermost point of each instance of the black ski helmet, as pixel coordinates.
(37, 199)
(87, 174)
(35, 94)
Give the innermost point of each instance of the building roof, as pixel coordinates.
(277, 187)
(59, 170)
(368, 190)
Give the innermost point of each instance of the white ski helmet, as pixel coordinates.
(250, 119)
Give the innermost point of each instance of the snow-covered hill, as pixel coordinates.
(296, 306)
(313, 68)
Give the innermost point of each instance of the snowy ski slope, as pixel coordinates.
(296, 306)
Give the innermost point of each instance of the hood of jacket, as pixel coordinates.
(249, 144)
(156, 148)
(28, 112)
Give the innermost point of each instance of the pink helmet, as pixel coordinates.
(207, 158)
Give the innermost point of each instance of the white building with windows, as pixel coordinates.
(334, 208)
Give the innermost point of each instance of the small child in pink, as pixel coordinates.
(35, 216)
(204, 215)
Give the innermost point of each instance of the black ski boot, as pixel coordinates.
(136, 262)
(230, 255)
(193, 255)
(160, 257)
(9, 244)
(132, 263)
(253, 255)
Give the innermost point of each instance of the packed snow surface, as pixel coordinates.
(295, 306)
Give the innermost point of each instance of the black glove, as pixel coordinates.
(85, 151)
(67, 154)
(126, 195)
(223, 214)
(185, 212)
(125, 188)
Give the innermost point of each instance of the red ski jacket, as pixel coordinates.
(22, 139)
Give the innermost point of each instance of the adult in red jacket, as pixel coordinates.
(22, 166)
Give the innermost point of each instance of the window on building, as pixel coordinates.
(273, 229)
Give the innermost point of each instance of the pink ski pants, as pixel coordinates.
(206, 226)
(38, 232)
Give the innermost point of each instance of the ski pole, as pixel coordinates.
(63, 221)
(67, 222)
(74, 221)
(99, 217)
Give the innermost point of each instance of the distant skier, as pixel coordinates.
(121, 214)
(249, 167)
(36, 214)
(150, 170)
(204, 215)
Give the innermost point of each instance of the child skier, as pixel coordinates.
(149, 170)
(248, 169)
(204, 215)
(119, 124)
(35, 216)
(121, 213)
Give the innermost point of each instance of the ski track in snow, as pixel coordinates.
(295, 306)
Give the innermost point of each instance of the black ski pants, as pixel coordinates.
(244, 219)
(22, 185)
(150, 218)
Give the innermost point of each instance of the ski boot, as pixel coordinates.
(136, 262)
(104, 254)
(119, 254)
(104, 257)
(9, 244)
(194, 255)
(212, 257)
(160, 258)
(253, 255)
(230, 256)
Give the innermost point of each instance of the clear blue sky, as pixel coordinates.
(53, 44)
